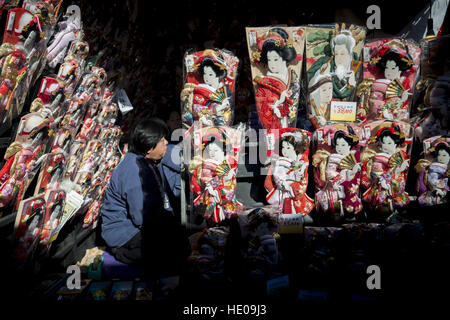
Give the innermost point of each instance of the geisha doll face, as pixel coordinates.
(275, 63)
(288, 151)
(388, 145)
(392, 71)
(210, 77)
(443, 157)
(342, 147)
(214, 152)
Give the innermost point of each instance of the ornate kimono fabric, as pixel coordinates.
(209, 87)
(333, 66)
(213, 172)
(433, 172)
(390, 68)
(276, 55)
(287, 179)
(337, 169)
(385, 163)
(14, 68)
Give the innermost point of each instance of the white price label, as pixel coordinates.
(343, 111)
(10, 24)
(270, 138)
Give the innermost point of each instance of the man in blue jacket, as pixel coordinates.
(138, 222)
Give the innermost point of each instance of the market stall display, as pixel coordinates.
(373, 109)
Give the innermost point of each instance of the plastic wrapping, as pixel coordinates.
(209, 87)
(337, 167)
(22, 156)
(26, 34)
(69, 31)
(390, 70)
(28, 227)
(287, 179)
(333, 71)
(385, 164)
(55, 200)
(433, 172)
(276, 55)
(51, 172)
(14, 69)
(213, 171)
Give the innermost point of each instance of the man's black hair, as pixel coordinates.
(146, 135)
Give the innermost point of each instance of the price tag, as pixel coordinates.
(320, 135)
(10, 24)
(343, 111)
(270, 138)
(366, 54)
(252, 38)
(426, 145)
(367, 132)
(197, 139)
(290, 223)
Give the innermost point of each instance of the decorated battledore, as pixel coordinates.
(213, 169)
(333, 68)
(276, 64)
(385, 163)
(337, 170)
(287, 178)
(208, 93)
(390, 68)
(432, 183)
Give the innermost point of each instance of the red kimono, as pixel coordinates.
(269, 91)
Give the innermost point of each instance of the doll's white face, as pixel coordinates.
(288, 151)
(342, 146)
(443, 157)
(326, 93)
(214, 152)
(210, 77)
(341, 56)
(275, 63)
(392, 71)
(388, 145)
